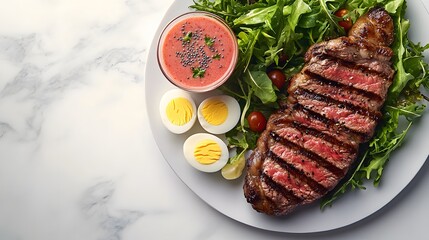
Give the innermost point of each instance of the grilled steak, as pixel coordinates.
(333, 106)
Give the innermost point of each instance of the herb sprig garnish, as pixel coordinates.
(209, 41)
(216, 56)
(187, 37)
(198, 72)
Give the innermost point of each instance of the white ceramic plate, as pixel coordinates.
(227, 196)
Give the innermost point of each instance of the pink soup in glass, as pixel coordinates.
(197, 51)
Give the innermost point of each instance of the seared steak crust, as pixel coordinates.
(333, 106)
(355, 51)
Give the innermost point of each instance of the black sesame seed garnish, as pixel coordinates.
(193, 53)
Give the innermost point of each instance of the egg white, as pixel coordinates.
(191, 143)
(231, 120)
(166, 98)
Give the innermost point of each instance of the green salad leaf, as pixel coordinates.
(261, 85)
(268, 29)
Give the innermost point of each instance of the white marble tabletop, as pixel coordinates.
(77, 157)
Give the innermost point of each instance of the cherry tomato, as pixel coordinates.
(345, 23)
(341, 12)
(277, 77)
(282, 58)
(257, 121)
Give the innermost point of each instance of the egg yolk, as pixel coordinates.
(215, 112)
(179, 111)
(207, 152)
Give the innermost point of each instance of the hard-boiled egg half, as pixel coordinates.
(205, 152)
(219, 114)
(177, 110)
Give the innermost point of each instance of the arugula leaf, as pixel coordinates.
(261, 85)
(380, 155)
(256, 16)
(299, 7)
(393, 6)
(287, 35)
(246, 42)
(399, 47)
(330, 17)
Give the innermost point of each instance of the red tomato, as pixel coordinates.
(282, 58)
(345, 23)
(277, 77)
(257, 121)
(341, 12)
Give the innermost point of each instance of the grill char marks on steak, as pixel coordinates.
(362, 122)
(333, 106)
(336, 154)
(338, 72)
(326, 88)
